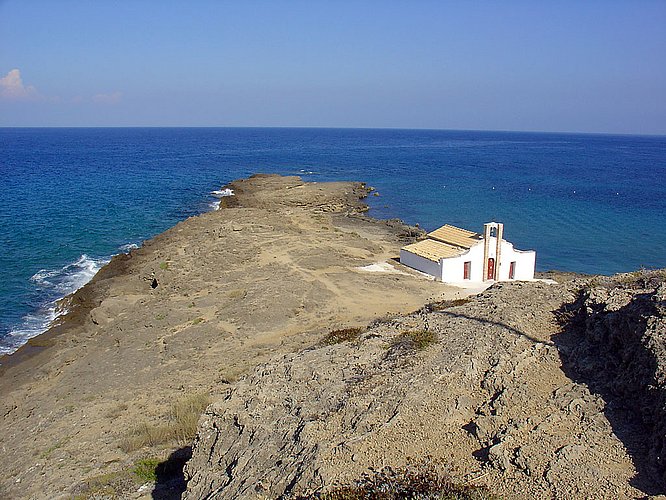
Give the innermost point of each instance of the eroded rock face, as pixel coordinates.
(615, 342)
(488, 401)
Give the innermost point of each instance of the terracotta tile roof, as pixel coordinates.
(455, 236)
(433, 250)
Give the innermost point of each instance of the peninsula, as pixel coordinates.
(280, 265)
(276, 348)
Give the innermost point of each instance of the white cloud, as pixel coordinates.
(112, 98)
(12, 88)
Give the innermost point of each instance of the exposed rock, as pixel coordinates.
(614, 341)
(271, 273)
(488, 401)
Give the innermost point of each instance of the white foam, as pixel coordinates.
(68, 278)
(222, 193)
(55, 284)
(128, 247)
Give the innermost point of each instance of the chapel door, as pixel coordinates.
(491, 269)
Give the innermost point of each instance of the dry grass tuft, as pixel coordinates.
(410, 342)
(344, 335)
(415, 339)
(446, 304)
(180, 428)
(414, 481)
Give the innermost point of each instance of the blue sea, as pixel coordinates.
(71, 198)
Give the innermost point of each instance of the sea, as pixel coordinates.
(74, 197)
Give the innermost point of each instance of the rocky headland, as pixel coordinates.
(176, 322)
(326, 363)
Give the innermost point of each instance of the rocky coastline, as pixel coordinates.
(276, 349)
(195, 308)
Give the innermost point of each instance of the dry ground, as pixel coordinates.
(185, 315)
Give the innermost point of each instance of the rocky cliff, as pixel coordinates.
(532, 390)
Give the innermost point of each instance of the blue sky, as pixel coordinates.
(593, 66)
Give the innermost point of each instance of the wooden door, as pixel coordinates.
(467, 270)
(491, 269)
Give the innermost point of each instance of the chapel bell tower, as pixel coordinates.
(491, 256)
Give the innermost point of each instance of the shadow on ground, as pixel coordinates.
(615, 352)
(170, 484)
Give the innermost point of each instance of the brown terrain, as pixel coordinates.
(327, 362)
(177, 321)
(530, 390)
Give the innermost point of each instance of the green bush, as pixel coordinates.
(146, 469)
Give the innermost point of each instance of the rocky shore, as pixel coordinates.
(179, 320)
(325, 361)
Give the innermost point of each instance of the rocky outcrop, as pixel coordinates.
(614, 341)
(477, 388)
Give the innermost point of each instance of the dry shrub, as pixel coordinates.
(414, 340)
(344, 335)
(421, 482)
(180, 428)
(446, 304)
(111, 485)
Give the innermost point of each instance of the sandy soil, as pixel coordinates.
(280, 265)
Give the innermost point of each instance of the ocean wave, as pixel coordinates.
(127, 248)
(220, 193)
(53, 285)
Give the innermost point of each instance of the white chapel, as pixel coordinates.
(455, 255)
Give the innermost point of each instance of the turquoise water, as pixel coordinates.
(74, 197)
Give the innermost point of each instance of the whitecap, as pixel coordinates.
(127, 248)
(53, 285)
(223, 192)
(70, 277)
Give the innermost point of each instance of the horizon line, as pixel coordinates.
(301, 127)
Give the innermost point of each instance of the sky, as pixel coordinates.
(595, 66)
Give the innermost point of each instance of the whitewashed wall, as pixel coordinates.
(420, 263)
(451, 270)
